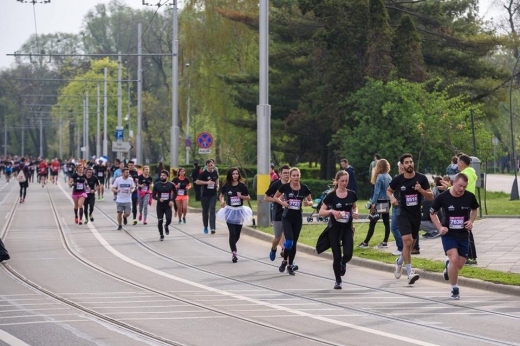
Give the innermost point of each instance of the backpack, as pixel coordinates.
(21, 176)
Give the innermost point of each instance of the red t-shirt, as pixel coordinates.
(55, 166)
(43, 167)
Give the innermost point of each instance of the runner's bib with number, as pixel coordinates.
(80, 186)
(456, 222)
(180, 192)
(144, 188)
(234, 200)
(125, 190)
(211, 186)
(411, 200)
(345, 217)
(294, 204)
(100, 174)
(165, 195)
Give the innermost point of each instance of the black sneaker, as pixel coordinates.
(290, 270)
(343, 269)
(295, 267)
(213, 231)
(162, 237)
(91, 218)
(282, 266)
(337, 285)
(455, 294)
(445, 272)
(166, 230)
(234, 258)
(282, 252)
(119, 228)
(125, 221)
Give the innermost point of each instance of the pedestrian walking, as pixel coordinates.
(208, 179)
(23, 178)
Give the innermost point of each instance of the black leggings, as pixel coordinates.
(23, 189)
(161, 212)
(234, 235)
(88, 205)
(291, 231)
(372, 227)
(341, 236)
(208, 210)
(134, 205)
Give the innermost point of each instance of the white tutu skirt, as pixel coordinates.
(236, 215)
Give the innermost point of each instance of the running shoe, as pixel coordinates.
(290, 270)
(125, 220)
(180, 221)
(282, 252)
(295, 267)
(144, 222)
(140, 217)
(135, 222)
(234, 258)
(76, 220)
(119, 228)
(397, 253)
(80, 223)
(91, 218)
(412, 278)
(337, 285)
(213, 231)
(415, 252)
(86, 220)
(343, 269)
(162, 237)
(282, 266)
(184, 219)
(445, 272)
(398, 269)
(363, 246)
(166, 230)
(272, 255)
(205, 230)
(382, 246)
(471, 261)
(455, 294)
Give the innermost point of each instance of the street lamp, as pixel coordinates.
(188, 137)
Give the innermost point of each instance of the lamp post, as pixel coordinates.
(188, 137)
(174, 131)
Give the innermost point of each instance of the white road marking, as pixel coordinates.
(10, 339)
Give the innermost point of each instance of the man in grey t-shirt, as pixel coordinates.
(123, 186)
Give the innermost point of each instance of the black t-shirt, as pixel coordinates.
(135, 175)
(295, 199)
(410, 199)
(456, 211)
(181, 185)
(100, 171)
(271, 191)
(230, 192)
(207, 176)
(146, 181)
(332, 201)
(92, 182)
(79, 182)
(166, 191)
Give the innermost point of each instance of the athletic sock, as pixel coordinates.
(400, 260)
(75, 212)
(409, 269)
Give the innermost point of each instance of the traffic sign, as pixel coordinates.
(204, 151)
(121, 146)
(204, 140)
(119, 133)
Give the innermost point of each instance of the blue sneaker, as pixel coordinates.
(445, 272)
(455, 293)
(272, 255)
(206, 230)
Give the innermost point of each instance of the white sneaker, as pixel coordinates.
(398, 269)
(397, 253)
(412, 278)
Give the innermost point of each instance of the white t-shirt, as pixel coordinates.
(125, 189)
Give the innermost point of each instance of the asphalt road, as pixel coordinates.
(94, 285)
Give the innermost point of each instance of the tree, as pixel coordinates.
(407, 54)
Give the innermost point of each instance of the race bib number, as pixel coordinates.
(456, 222)
(165, 195)
(144, 188)
(411, 200)
(100, 174)
(344, 217)
(125, 190)
(80, 186)
(180, 192)
(211, 186)
(234, 200)
(294, 204)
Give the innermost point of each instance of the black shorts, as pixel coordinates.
(54, 173)
(101, 181)
(408, 225)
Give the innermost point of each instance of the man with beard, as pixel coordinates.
(413, 187)
(164, 193)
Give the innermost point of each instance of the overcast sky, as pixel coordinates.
(17, 20)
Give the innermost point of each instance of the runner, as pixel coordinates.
(42, 172)
(413, 187)
(209, 181)
(100, 171)
(8, 171)
(460, 210)
(278, 209)
(341, 208)
(91, 188)
(78, 182)
(23, 179)
(164, 193)
(181, 200)
(144, 182)
(295, 194)
(55, 170)
(134, 174)
(233, 211)
(123, 187)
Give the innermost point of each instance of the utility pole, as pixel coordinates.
(61, 139)
(41, 135)
(119, 98)
(85, 141)
(98, 124)
(105, 115)
(174, 132)
(188, 138)
(138, 139)
(5, 137)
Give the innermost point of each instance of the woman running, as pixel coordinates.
(295, 195)
(340, 207)
(380, 203)
(144, 182)
(232, 195)
(181, 201)
(78, 183)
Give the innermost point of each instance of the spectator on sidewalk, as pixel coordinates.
(352, 184)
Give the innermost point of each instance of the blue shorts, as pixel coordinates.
(462, 245)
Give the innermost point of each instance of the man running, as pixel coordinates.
(278, 209)
(100, 171)
(135, 175)
(55, 170)
(91, 188)
(164, 193)
(460, 211)
(413, 187)
(123, 187)
(42, 172)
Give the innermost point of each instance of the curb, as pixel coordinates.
(361, 262)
